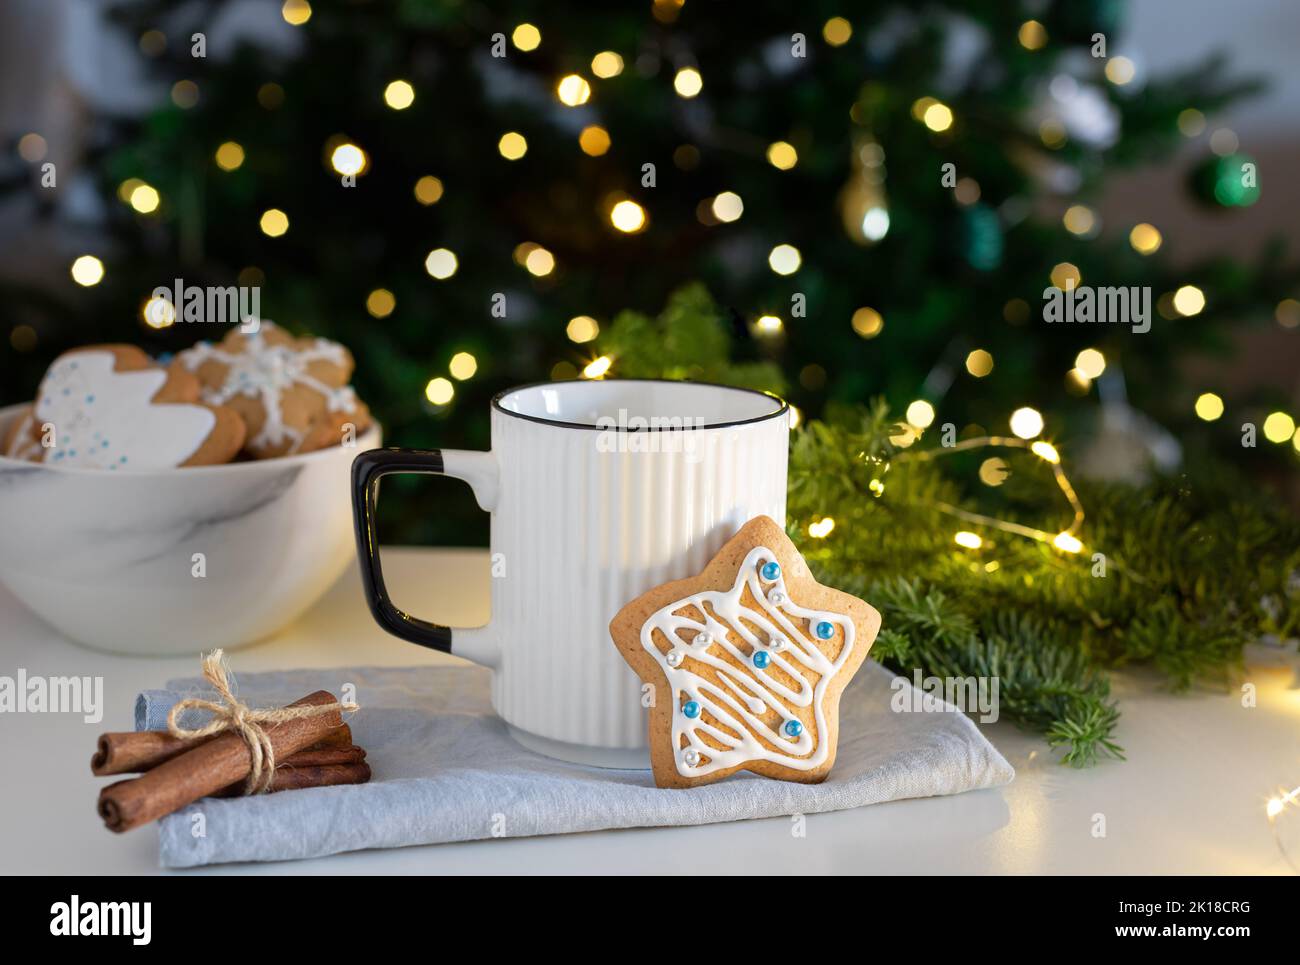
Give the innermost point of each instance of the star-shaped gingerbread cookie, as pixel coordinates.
(747, 662)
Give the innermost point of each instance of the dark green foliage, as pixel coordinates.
(940, 277)
(1194, 567)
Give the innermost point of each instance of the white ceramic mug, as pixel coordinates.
(598, 490)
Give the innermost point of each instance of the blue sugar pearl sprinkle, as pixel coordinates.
(691, 709)
(824, 630)
(762, 658)
(771, 571)
(793, 728)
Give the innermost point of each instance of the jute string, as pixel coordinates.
(247, 722)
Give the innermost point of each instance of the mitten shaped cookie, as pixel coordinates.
(748, 661)
(112, 407)
(292, 392)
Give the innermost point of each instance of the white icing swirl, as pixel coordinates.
(264, 372)
(747, 693)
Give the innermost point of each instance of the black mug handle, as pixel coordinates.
(367, 469)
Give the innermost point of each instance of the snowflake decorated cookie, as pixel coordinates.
(748, 661)
(292, 393)
(111, 407)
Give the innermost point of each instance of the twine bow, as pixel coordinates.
(231, 715)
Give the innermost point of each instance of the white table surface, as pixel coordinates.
(1188, 800)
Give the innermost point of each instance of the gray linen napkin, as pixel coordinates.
(445, 769)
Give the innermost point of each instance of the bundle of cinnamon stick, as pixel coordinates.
(312, 751)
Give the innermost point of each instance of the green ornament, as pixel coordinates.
(1230, 182)
(981, 238)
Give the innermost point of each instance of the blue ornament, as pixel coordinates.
(691, 709)
(824, 630)
(793, 728)
(762, 658)
(770, 571)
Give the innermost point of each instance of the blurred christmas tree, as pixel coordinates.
(465, 193)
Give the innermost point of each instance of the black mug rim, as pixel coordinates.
(782, 409)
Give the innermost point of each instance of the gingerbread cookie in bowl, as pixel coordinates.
(292, 393)
(747, 660)
(112, 407)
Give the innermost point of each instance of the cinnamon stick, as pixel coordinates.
(318, 756)
(289, 778)
(133, 752)
(208, 768)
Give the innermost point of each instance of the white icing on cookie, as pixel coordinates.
(263, 371)
(747, 687)
(104, 419)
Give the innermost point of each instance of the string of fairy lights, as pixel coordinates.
(866, 213)
(866, 217)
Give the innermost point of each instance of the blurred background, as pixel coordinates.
(876, 196)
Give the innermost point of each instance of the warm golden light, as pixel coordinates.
(607, 64)
(1145, 239)
(688, 82)
(539, 262)
(782, 155)
(348, 159)
(822, 528)
(1045, 450)
(597, 368)
(1090, 362)
(87, 270)
(784, 259)
(428, 190)
(526, 37)
(1209, 406)
(230, 156)
(867, 322)
(1026, 422)
(463, 365)
(399, 95)
(1032, 35)
(627, 216)
(937, 117)
(728, 206)
(1189, 300)
(994, 471)
(972, 541)
(1079, 220)
(1279, 427)
(1066, 276)
(441, 263)
(1287, 313)
(582, 328)
(920, 414)
(158, 312)
(573, 90)
(439, 391)
(296, 12)
(145, 199)
(594, 140)
(512, 145)
(1120, 70)
(979, 363)
(380, 303)
(274, 222)
(768, 325)
(1067, 543)
(837, 31)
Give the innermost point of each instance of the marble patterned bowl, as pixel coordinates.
(112, 559)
